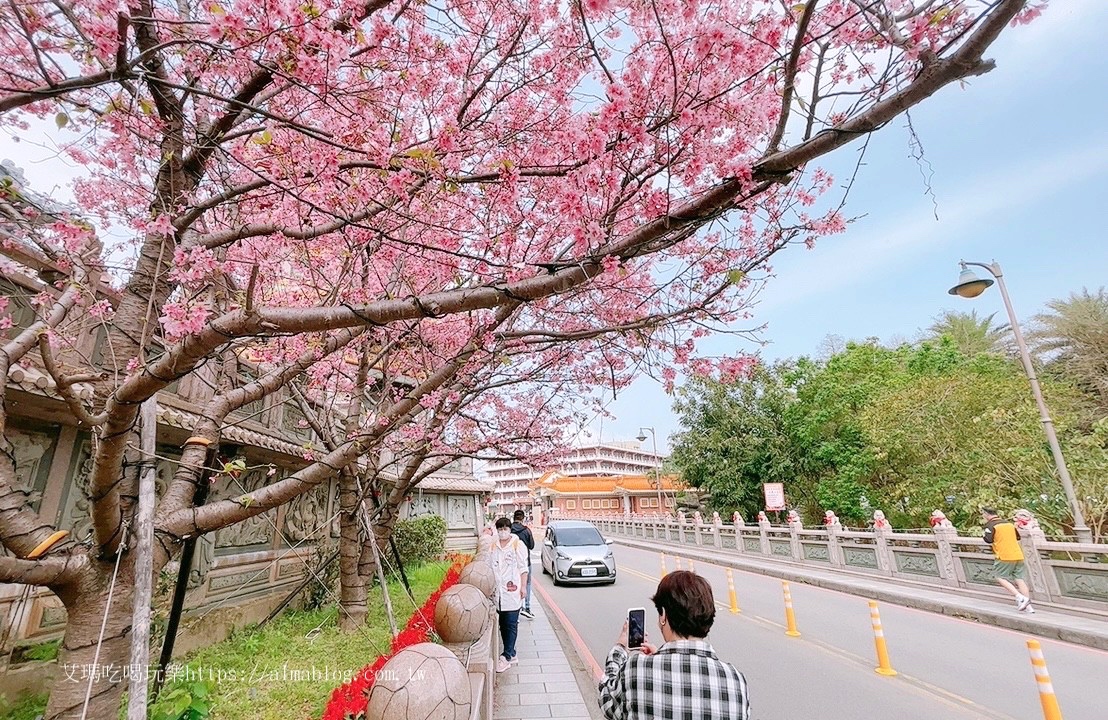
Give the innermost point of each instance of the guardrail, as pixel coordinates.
(1064, 573)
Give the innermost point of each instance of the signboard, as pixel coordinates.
(775, 496)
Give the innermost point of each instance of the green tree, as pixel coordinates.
(734, 438)
(971, 335)
(1072, 338)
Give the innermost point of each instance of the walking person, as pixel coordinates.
(683, 678)
(523, 532)
(509, 556)
(1008, 567)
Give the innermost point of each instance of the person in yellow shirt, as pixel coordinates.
(1008, 567)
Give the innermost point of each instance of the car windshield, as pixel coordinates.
(579, 536)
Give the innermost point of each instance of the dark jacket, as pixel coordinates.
(524, 533)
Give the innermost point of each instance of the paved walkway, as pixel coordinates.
(542, 684)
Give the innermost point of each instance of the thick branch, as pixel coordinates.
(50, 571)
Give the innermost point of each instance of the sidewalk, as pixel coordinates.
(1088, 628)
(543, 683)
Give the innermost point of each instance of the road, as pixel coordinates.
(948, 668)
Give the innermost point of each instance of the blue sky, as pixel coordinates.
(1020, 163)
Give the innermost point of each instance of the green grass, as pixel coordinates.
(254, 673)
(28, 707)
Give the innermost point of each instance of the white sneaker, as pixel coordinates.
(527, 614)
(1022, 602)
(1029, 610)
(513, 661)
(502, 664)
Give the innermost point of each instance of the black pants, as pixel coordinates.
(509, 628)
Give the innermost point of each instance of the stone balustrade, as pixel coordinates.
(1064, 573)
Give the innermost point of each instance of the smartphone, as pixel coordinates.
(636, 627)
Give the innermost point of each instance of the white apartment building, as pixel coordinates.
(599, 459)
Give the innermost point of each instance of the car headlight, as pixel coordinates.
(562, 555)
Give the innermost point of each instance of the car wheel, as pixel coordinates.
(542, 564)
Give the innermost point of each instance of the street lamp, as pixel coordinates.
(970, 286)
(657, 465)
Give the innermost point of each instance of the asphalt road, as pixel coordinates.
(948, 668)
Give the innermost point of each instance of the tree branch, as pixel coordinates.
(64, 385)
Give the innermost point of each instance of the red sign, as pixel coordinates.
(775, 496)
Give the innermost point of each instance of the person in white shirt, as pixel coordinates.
(509, 556)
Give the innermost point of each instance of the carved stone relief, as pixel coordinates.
(306, 515)
(752, 544)
(819, 553)
(978, 571)
(1087, 584)
(860, 557)
(461, 512)
(254, 531)
(33, 452)
(916, 564)
(424, 504)
(782, 548)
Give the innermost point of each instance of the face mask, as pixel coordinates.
(504, 534)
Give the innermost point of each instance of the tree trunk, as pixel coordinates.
(87, 604)
(352, 583)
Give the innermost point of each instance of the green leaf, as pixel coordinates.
(735, 277)
(61, 120)
(264, 138)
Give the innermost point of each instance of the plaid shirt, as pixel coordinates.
(683, 680)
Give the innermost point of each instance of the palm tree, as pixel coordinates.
(1072, 338)
(971, 335)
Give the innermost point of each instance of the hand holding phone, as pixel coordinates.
(636, 628)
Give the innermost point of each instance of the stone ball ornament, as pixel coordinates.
(421, 682)
(461, 614)
(480, 575)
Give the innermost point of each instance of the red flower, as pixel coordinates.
(350, 700)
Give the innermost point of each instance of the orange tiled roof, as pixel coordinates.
(600, 484)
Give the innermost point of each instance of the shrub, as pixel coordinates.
(420, 540)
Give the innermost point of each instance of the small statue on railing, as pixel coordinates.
(831, 520)
(697, 519)
(1026, 524)
(763, 521)
(716, 520)
(939, 521)
(794, 519)
(681, 517)
(737, 519)
(880, 522)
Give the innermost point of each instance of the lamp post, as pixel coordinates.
(657, 465)
(970, 286)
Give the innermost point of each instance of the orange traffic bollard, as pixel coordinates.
(883, 665)
(1049, 700)
(790, 618)
(731, 591)
(664, 571)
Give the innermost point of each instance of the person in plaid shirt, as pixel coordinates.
(683, 679)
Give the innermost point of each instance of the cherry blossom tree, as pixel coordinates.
(584, 184)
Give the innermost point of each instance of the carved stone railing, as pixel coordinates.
(1064, 573)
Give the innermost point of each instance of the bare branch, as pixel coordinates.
(64, 385)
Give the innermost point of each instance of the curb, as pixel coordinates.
(1047, 627)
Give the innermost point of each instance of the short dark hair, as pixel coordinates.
(503, 522)
(989, 511)
(518, 515)
(688, 601)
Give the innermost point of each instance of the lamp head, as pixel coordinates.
(641, 437)
(969, 285)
